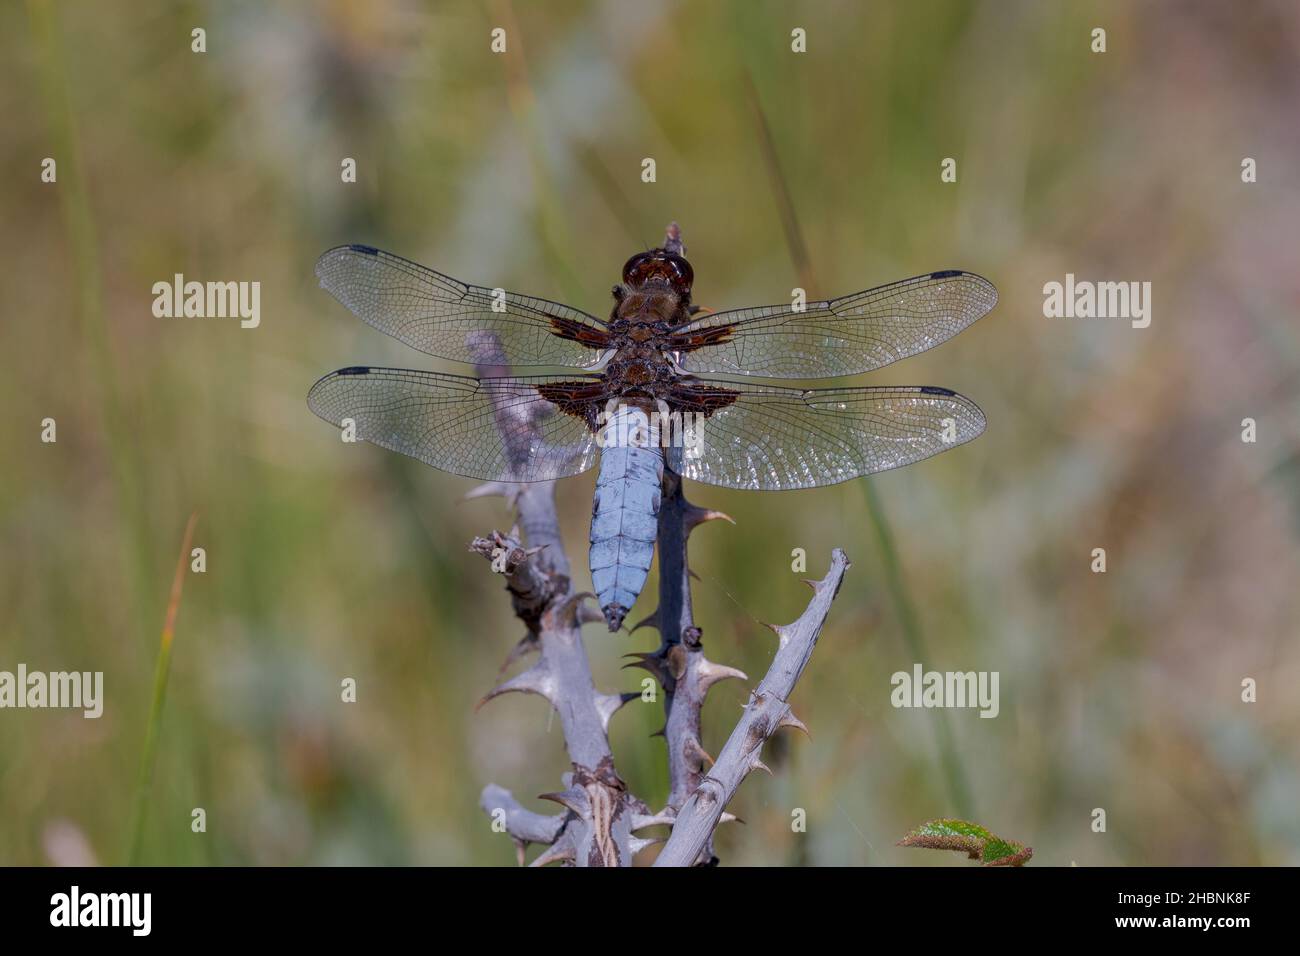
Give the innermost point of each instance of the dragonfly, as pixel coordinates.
(661, 383)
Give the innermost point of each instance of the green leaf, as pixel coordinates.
(971, 839)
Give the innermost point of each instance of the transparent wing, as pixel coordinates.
(845, 336)
(498, 429)
(770, 439)
(447, 318)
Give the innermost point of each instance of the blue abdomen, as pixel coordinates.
(624, 517)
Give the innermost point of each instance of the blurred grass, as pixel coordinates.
(78, 221)
(161, 671)
(950, 759)
(327, 561)
(910, 625)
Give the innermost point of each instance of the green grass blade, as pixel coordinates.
(161, 670)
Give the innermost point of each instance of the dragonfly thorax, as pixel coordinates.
(654, 304)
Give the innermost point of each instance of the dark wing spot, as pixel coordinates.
(354, 370)
(690, 341)
(366, 250)
(946, 274)
(935, 390)
(700, 398)
(578, 332)
(582, 400)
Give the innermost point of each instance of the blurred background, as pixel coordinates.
(1119, 690)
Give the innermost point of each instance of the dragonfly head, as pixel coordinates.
(660, 264)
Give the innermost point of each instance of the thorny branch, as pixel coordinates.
(767, 711)
(596, 828)
(600, 814)
(679, 663)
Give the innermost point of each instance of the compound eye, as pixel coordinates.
(685, 274)
(632, 267)
(659, 264)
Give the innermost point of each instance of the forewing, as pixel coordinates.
(845, 336)
(447, 318)
(497, 429)
(771, 439)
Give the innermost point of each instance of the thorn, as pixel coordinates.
(811, 583)
(572, 799)
(588, 614)
(696, 753)
(637, 844)
(710, 673)
(607, 706)
(535, 680)
(757, 764)
(781, 631)
(520, 848)
(527, 644)
(661, 732)
(730, 818)
(649, 661)
(514, 533)
(665, 817)
(562, 850)
(696, 516)
(651, 666)
(490, 489)
(790, 720)
(567, 612)
(651, 620)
